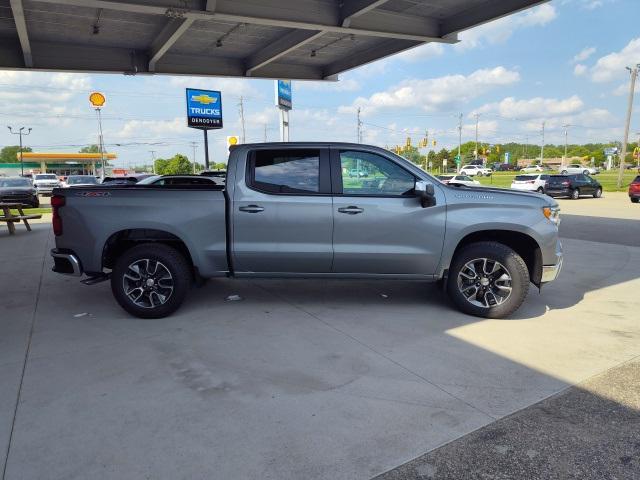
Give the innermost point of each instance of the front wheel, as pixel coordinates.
(586, 172)
(575, 194)
(563, 172)
(488, 279)
(151, 280)
(540, 190)
(635, 200)
(597, 193)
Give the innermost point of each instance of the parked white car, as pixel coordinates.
(45, 183)
(531, 183)
(459, 180)
(577, 168)
(473, 170)
(532, 169)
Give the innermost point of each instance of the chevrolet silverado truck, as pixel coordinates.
(293, 210)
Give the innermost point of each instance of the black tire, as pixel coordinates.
(511, 262)
(563, 172)
(171, 261)
(540, 190)
(635, 200)
(586, 172)
(575, 194)
(597, 193)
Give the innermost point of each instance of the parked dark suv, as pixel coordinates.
(573, 186)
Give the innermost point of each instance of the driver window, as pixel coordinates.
(365, 173)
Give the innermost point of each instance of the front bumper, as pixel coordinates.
(66, 263)
(551, 272)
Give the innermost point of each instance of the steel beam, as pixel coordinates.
(353, 8)
(307, 15)
(279, 48)
(171, 32)
(21, 26)
(377, 52)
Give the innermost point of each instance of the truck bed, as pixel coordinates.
(196, 215)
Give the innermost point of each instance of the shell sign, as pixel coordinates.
(97, 99)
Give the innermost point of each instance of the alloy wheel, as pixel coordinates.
(148, 283)
(484, 282)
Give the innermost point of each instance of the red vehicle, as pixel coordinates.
(634, 190)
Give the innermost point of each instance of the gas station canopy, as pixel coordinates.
(293, 39)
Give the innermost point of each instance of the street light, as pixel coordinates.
(20, 133)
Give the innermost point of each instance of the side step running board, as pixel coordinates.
(97, 279)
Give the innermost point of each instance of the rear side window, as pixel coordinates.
(285, 171)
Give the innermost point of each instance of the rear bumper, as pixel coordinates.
(565, 192)
(66, 263)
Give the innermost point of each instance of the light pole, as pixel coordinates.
(634, 75)
(542, 148)
(20, 133)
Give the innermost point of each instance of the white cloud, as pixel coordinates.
(435, 94)
(537, 107)
(422, 52)
(342, 85)
(579, 69)
(584, 54)
(230, 86)
(152, 128)
(612, 66)
(500, 30)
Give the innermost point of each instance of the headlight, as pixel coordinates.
(552, 213)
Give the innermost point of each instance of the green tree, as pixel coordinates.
(176, 165)
(90, 149)
(219, 166)
(9, 154)
(413, 155)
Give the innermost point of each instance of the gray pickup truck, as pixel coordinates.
(294, 210)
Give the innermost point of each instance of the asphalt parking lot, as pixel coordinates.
(313, 379)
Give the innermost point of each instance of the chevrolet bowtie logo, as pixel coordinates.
(203, 99)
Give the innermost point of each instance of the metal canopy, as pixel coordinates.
(293, 39)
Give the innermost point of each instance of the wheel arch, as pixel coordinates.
(524, 245)
(121, 241)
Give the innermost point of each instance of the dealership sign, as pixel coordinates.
(283, 94)
(204, 109)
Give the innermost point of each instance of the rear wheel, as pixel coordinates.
(540, 190)
(563, 172)
(597, 193)
(488, 279)
(575, 194)
(151, 280)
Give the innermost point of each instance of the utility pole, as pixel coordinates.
(477, 115)
(459, 162)
(359, 127)
(634, 75)
(241, 109)
(426, 141)
(21, 134)
(153, 161)
(542, 149)
(194, 145)
(265, 133)
(638, 146)
(566, 136)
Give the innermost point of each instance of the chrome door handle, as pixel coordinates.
(252, 209)
(351, 210)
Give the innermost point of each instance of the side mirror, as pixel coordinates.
(426, 192)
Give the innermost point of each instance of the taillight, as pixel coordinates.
(57, 201)
(531, 181)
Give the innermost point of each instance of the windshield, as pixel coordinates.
(46, 177)
(15, 182)
(75, 180)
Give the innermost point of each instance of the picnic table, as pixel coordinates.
(10, 219)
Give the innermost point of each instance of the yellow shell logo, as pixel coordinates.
(97, 99)
(233, 140)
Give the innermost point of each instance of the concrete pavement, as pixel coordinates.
(300, 379)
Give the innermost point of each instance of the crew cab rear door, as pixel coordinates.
(282, 212)
(380, 226)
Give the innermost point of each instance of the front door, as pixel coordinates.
(380, 226)
(282, 215)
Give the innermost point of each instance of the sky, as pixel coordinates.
(562, 63)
